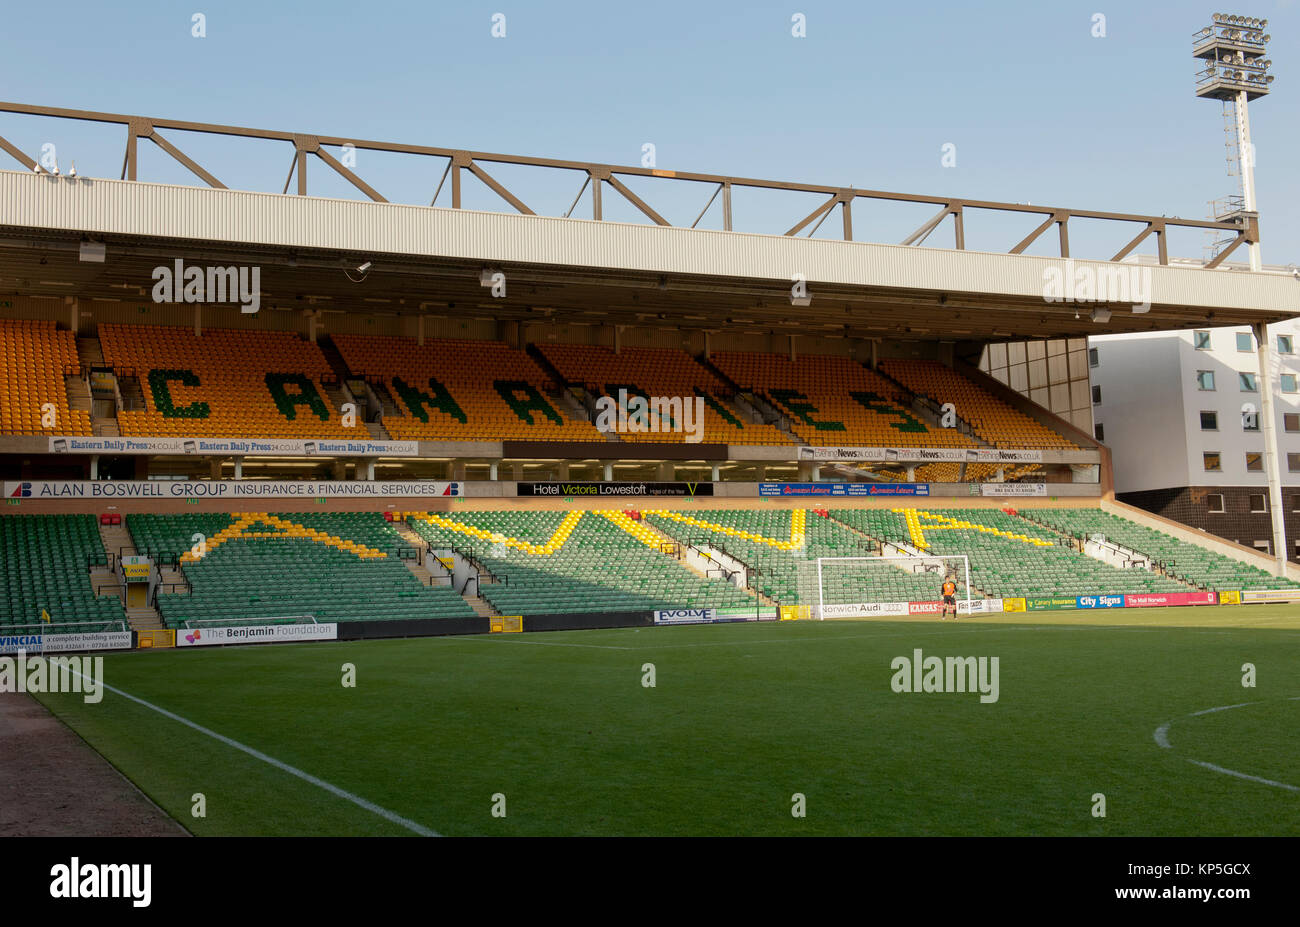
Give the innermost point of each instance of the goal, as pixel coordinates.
(865, 587)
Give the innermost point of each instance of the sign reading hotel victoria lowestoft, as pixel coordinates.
(234, 446)
(594, 488)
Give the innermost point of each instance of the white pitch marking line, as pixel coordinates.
(285, 767)
(1162, 739)
(1241, 775)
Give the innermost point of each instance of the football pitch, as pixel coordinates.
(560, 733)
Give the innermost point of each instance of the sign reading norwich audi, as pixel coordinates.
(921, 454)
(256, 634)
(237, 447)
(229, 489)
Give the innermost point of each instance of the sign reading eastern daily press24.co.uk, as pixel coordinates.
(291, 447)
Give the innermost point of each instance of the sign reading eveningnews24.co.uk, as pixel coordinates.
(920, 454)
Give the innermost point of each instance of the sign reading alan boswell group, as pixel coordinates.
(229, 489)
(239, 447)
(921, 454)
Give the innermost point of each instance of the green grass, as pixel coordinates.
(742, 717)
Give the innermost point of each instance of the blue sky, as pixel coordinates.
(1038, 108)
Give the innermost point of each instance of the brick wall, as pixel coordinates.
(1191, 506)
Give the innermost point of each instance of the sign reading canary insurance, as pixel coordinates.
(238, 447)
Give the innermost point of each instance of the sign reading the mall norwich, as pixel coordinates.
(229, 489)
(596, 488)
(237, 447)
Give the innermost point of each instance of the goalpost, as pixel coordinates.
(851, 587)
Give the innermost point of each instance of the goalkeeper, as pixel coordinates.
(949, 593)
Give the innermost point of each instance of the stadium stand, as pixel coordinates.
(783, 546)
(462, 390)
(1193, 564)
(335, 567)
(835, 401)
(990, 418)
(1009, 557)
(661, 372)
(228, 383)
(44, 564)
(574, 562)
(34, 357)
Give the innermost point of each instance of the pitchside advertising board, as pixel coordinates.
(714, 615)
(238, 447)
(920, 455)
(229, 489)
(64, 643)
(844, 489)
(256, 634)
(595, 488)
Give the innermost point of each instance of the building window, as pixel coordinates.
(1262, 545)
(1092, 357)
(1205, 379)
(1211, 460)
(1214, 502)
(1284, 344)
(1245, 342)
(1099, 432)
(1201, 340)
(1209, 421)
(1287, 382)
(1249, 417)
(1247, 382)
(1257, 503)
(1096, 395)
(1254, 462)
(1295, 503)
(1297, 551)
(1293, 463)
(1291, 421)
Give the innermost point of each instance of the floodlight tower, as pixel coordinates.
(1232, 50)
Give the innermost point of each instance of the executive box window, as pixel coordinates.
(1247, 382)
(1245, 342)
(1214, 501)
(1287, 382)
(1210, 421)
(1201, 340)
(1257, 503)
(1284, 344)
(1293, 463)
(1099, 432)
(1096, 395)
(1205, 379)
(1262, 545)
(1291, 421)
(1211, 460)
(1092, 357)
(1254, 462)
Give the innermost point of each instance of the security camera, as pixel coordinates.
(1100, 315)
(364, 268)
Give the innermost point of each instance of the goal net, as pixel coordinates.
(865, 587)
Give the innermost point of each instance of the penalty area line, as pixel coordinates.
(357, 800)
